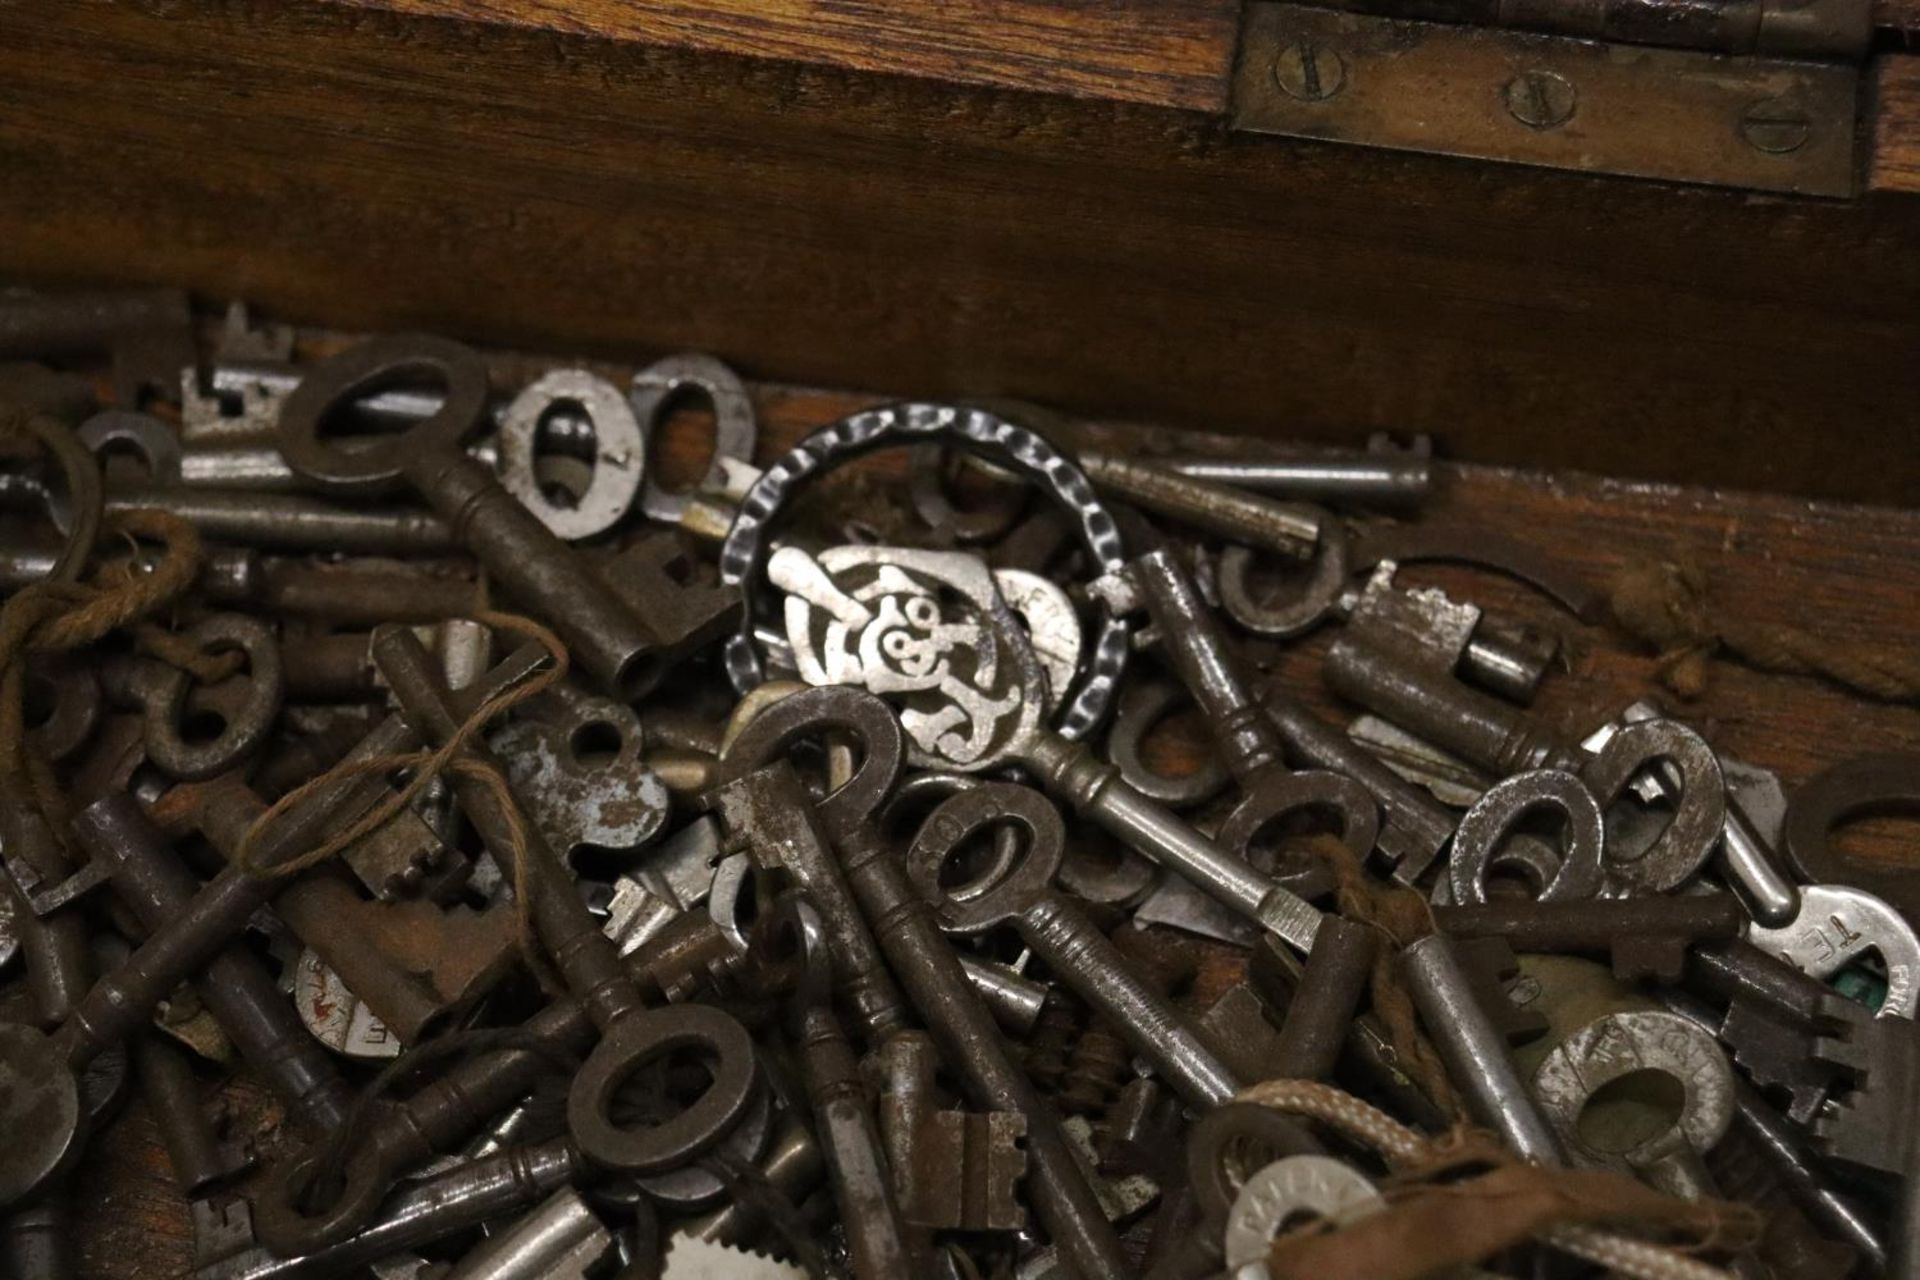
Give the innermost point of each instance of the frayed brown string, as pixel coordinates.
(448, 758)
(1400, 916)
(55, 617)
(177, 650)
(1668, 606)
(1462, 1198)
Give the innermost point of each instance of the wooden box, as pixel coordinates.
(1040, 198)
(1048, 199)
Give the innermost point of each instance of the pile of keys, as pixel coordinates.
(585, 879)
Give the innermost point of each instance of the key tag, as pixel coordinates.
(926, 630)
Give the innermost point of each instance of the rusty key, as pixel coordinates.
(234, 987)
(924, 961)
(613, 639)
(1647, 937)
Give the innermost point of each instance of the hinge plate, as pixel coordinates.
(1758, 123)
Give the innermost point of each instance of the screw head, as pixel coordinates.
(1541, 99)
(1309, 72)
(1777, 126)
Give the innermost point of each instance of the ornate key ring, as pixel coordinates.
(744, 554)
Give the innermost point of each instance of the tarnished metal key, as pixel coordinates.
(924, 961)
(1057, 930)
(1475, 1053)
(616, 642)
(849, 1135)
(961, 725)
(1290, 529)
(150, 878)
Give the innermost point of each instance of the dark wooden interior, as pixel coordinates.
(1035, 199)
(1038, 199)
(1853, 571)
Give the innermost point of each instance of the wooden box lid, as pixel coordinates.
(1037, 198)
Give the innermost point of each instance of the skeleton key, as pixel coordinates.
(40, 1093)
(923, 960)
(849, 1135)
(233, 986)
(970, 691)
(1646, 937)
(1057, 930)
(611, 638)
(1632, 1133)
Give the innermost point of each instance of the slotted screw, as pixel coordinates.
(1541, 99)
(1309, 72)
(1777, 126)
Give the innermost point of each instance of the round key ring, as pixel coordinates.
(1879, 783)
(1484, 829)
(744, 554)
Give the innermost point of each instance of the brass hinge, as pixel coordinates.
(1760, 94)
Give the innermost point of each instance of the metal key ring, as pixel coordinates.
(647, 1036)
(286, 1228)
(1002, 891)
(1699, 815)
(818, 710)
(744, 553)
(1486, 826)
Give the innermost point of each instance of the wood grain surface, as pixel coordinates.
(1162, 53)
(541, 188)
(1851, 571)
(1896, 125)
